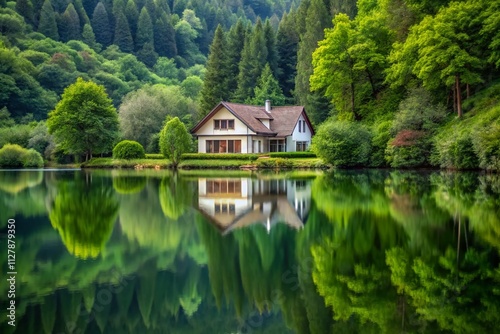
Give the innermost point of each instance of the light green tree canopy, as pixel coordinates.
(84, 121)
(175, 140)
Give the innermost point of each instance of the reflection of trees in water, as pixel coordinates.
(129, 184)
(16, 181)
(176, 195)
(433, 274)
(84, 214)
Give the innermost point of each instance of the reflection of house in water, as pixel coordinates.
(232, 203)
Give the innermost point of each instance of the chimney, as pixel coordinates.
(268, 106)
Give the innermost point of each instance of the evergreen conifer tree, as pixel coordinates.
(123, 37)
(164, 37)
(48, 24)
(215, 84)
(272, 54)
(101, 25)
(88, 36)
(235, 45)
(287, 41)
(267, 89)
(245, 83)
(69, 24)
(144, 30)
(148, 55)
(25, 9)
(132, 15)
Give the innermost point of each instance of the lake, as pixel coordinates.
(126, 251)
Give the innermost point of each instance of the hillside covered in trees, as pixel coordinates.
(401, 83)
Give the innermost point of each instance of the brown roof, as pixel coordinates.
(282, 119)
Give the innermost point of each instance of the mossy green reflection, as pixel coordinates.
(84, 214)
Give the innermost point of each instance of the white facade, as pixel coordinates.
(248, 140)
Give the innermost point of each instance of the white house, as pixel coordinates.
(241, 128)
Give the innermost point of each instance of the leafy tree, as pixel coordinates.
(142, 112)
(175, 140)
(439, 51)
(144, 30)
(84, 121)
(123, 37)
(191, 87)
(267, 89)
(47, 24)
(215, 87)
(101, 25)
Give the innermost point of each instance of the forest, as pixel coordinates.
(401, 83)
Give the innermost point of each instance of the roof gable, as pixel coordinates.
(282, 119)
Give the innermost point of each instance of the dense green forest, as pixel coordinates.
(406, 83)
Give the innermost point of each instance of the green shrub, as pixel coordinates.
(292, 155)
(274, 163)
(381, 136)
(128, 184)
(32, 159)
(18, 134)
(12, 155)
(487, 147)
(408, 149)
(455, 152)
(343, 143)
(128, 149)
(155, 156)
(220, 156)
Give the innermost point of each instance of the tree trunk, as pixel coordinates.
(353, 107)
(459, 95)
(468, 90)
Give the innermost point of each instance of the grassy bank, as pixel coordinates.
(263, 162)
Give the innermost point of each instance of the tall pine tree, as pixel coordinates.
(216, 78)
(132, 15)
(88, 36)
(164, 37)
(287, 41)
(267, 89)
(101, 25)
(272, 54)
(235, 45)
(69, 24)
(25, 9)
(144, 30)
(48, 24)
(123, 37)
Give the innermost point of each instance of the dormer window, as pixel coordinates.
(224, 124)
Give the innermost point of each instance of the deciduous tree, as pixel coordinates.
(84, 121)
(175, 140)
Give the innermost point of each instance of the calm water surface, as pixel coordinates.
(342, 252)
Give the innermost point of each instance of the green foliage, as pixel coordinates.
(128, 149)
(381, 136)
(342, 143)
(18, 134)
(175, 140)
(292, 155)
(84, 121)
(267, 89)
(128, 184)
(278, 163)
(47, 24)
(32, 159)
(142, 112)
(409, 149)
(13, 155)
(220, 156)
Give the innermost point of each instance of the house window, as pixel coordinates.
(301, 146)
(223, 124)
(223, 146)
